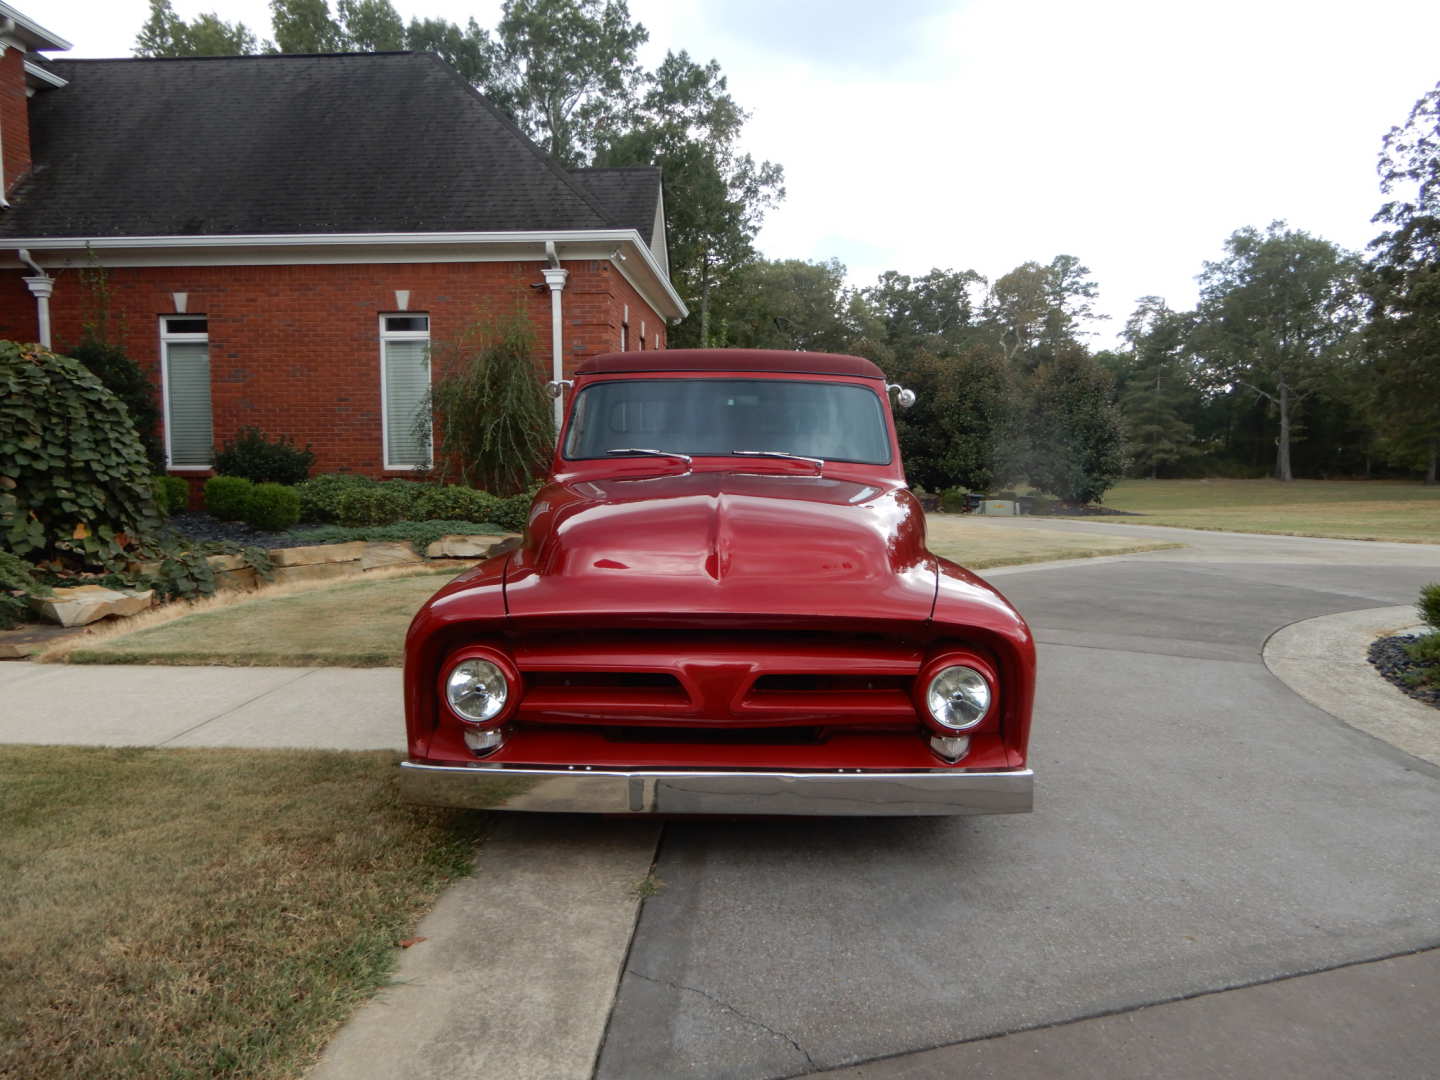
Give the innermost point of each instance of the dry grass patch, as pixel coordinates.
(982, 544)
(203, 913)
(1343, 509)
(349, 624)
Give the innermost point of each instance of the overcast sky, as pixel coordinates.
(1134, 134)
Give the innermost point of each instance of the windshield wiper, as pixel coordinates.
(819, 463)
(653, 453)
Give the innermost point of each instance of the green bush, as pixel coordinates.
(952, 500)
(227, 496)
(17, 582)
(172, 494)
(272, 508)
(74, 479)
(514, 510)
(253, 456)
(1428, 605)
(320, 495)
(379, 504)
(124, 378)
(452, 502)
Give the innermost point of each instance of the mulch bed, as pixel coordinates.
(1389, 657)
(201, 526)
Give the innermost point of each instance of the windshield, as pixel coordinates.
(834, 421)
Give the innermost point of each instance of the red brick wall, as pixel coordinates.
(14, 116)
(295, 350)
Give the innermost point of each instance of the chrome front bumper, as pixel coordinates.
(611, 791)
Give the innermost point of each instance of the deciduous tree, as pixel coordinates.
(1403, 338)
(1278, 315)
(716, 197)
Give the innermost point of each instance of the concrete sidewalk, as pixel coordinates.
(119, 705)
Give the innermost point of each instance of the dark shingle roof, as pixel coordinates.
(386, 142)
(628, 195)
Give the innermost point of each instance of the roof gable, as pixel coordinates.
(382, 142)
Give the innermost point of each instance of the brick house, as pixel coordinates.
(278, 240)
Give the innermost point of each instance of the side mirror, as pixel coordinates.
(903, 397)
(558, 387)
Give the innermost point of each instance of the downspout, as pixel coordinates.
(41, 286)
(555, 276)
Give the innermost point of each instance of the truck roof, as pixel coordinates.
(805, 363)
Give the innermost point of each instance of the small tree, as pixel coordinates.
(1075, 440)
(491, 410)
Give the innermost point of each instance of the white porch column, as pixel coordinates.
(555, 278)
(41, 286)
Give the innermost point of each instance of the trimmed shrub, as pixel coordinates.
(409, 494)
(455, 503)
(272, 508)
(227, 496)
(74, 479)
(320, 495)
(257, 459)
(378, 504)
(172, 494)
(513, 511)
(17, 582)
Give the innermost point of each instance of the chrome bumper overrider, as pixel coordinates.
(611, 791)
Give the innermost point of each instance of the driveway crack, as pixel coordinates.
(236, 708)
(731, 1009)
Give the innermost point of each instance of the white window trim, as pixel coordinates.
(401, 335)
(166, 339)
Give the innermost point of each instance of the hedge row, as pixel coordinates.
(355, 501)
(358, 502)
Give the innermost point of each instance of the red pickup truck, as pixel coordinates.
(723, 604)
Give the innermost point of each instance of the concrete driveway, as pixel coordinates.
(1198, 827)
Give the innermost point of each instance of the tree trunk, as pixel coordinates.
(705, 302)
(1430, 471)
(1282, 457)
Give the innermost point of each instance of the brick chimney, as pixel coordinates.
(21, 76)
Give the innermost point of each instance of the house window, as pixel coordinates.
(404, 389)
(185, 372)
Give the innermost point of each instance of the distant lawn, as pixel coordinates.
(203, 913)
(983, 544)
(350, 624)
(1346, 509)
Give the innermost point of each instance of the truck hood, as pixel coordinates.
(723, 543)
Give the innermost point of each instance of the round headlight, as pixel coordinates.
(477, 690)
(958, 697)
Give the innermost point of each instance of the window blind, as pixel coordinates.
(188, 384)
(407, 382)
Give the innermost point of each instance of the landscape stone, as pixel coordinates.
(318, 553)
(82, 604)
(238, 579)
(457, 546)
(381, 553)
(288, 575)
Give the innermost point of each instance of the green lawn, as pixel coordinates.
(1348, 509)
(983, 543)
(203, 913)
